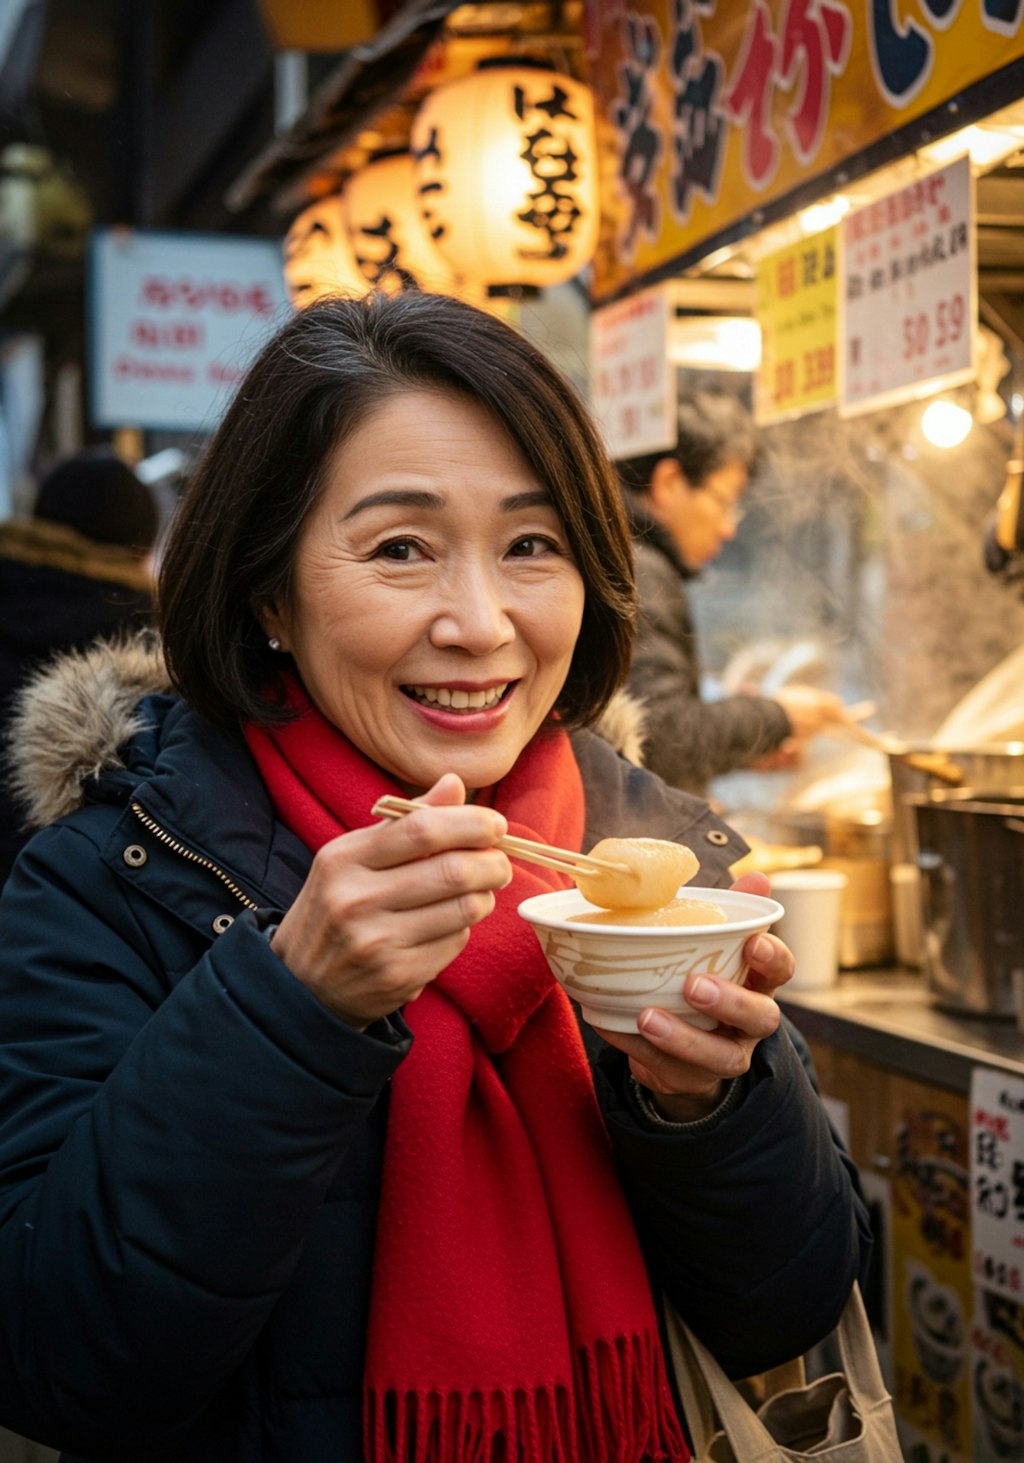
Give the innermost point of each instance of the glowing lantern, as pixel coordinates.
(318, 258)
(506, 171)
(387, 236)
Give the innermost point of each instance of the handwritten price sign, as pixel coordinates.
(997, 1182)
(908, 291)
(796, 310)
(633, 382)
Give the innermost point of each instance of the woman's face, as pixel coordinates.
(436, 603)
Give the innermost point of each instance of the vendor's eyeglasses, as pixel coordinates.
(735, 511)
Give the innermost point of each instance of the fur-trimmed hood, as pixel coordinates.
(36, 541)
(75, 714)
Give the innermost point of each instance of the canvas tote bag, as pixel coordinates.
(845, 1417)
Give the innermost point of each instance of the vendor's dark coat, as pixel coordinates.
(191, 1144)
(687, 740)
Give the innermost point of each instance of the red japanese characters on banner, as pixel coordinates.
(810, 49)
(709, 112)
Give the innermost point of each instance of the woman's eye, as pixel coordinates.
(532, 545)
(398, 549)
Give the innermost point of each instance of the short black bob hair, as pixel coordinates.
(233, 540)
(713, 429)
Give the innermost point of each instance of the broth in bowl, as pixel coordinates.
(675, 912)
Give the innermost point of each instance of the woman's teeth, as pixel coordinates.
(457, 700)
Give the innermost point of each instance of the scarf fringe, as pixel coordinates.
(622, 1413)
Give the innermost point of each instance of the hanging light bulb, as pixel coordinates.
(506, 172)
(318, 258)
(386, 233)
(945, 424)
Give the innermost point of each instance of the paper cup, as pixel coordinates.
(812, 901)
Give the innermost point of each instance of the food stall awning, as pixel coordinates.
(366, 102)
(370, 76)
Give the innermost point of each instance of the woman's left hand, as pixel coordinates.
(686, 1069)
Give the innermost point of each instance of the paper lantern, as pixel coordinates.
(386, 233)
(318, 258)
(506, 173)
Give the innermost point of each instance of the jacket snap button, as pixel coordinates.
(135, 856)
(716, 836)
(223, 922)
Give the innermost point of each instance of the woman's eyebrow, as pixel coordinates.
(417, 498)
(396, 498)
(532, 498)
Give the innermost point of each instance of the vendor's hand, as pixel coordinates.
(809, 709)
(385, 909)
(784, 758)
(686, 1069)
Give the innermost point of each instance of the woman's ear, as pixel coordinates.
(271, 622)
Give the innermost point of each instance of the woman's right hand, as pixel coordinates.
(385, 909)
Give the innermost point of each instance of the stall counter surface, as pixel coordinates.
(887, 1015)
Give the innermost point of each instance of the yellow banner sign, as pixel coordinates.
(797, 299)
(711, 110)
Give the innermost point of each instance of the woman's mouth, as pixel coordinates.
(456, 699)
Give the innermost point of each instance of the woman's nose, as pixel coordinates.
(473, 614)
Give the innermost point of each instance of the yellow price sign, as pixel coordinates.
(797, 299)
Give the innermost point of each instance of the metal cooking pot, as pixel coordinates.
(970, 854)
(920, 770)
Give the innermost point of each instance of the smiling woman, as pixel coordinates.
(304, 1153)
(435, 602)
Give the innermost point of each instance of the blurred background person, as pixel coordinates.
(683, 507)
(76, 570)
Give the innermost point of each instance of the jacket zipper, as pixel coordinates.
(190, 854)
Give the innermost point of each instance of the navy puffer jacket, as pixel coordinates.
(191, 1144)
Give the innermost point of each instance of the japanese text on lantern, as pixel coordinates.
(552, 209)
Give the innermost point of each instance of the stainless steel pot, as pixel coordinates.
(970, 855)
(922, 770)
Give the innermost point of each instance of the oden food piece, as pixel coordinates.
(654, 871)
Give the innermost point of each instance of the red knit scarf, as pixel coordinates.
(511, 1318)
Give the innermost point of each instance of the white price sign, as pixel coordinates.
(633, 379)
(174, 320)
(997, 1182)
(908, 291)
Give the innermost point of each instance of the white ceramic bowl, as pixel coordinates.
(616, 971)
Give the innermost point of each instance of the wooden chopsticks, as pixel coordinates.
(526, 849)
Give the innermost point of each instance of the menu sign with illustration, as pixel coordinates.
(908, 291)
(796, 310)
(997, 1378)
(633, 379)
(997, 1182)
(933, 1298)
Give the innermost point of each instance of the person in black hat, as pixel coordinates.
(76, 570)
